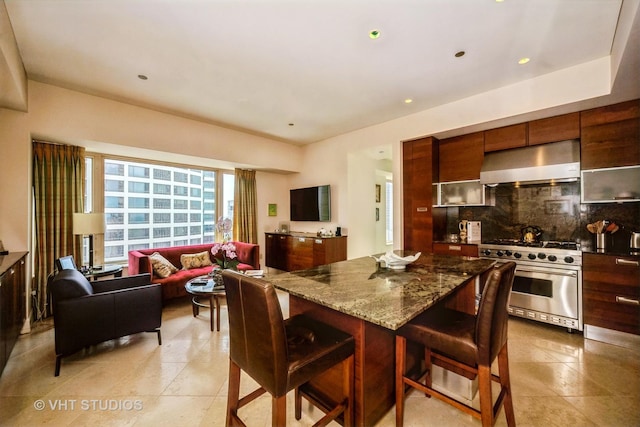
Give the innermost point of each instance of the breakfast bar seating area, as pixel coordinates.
(370, 302)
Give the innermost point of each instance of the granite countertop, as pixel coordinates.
(385, 297)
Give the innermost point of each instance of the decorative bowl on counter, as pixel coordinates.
(396, 262)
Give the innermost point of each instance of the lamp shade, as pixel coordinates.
(88, 223)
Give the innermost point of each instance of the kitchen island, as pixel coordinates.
(371, 302)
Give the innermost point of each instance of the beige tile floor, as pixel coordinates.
(558, 379)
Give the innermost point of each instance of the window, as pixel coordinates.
(138, 218)
(113, 202)
(152, 205)
(180, 177)
(113, 185)
(138, 233)
(114, 169)
(163, 174)
(138, 202)
(180, 217)
(161, 232)
(114, 235)
(180, 190)
(161, 218)
(389, 211)
(161, 189)
(180, 204)
(162, 203)
(138, 171)
(138, 187)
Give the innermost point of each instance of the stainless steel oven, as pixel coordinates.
(547, 286)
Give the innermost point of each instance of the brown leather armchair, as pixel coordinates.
(465, 343)
(282, 355)
(87, 313)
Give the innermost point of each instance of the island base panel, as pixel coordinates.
(374, 362)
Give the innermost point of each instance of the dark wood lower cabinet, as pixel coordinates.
(290, 252)
(611, 292)
(12, 302)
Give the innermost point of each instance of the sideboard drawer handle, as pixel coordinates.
(621, 261)
(625, 300)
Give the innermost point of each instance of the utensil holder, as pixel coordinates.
(601, 242)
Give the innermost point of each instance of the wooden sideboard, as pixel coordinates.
(12, 302)
(299, 251)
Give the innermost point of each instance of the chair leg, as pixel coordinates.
(298, 404)
(58, 361)
(233, 394)
(486, 401)
(428, 366)
(401, 346)
(348, 385)
(505, 383)
(279, 411)
(159, 336)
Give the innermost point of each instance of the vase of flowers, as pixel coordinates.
(225, 255)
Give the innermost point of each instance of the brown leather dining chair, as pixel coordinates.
(282, 355)
(467, 343)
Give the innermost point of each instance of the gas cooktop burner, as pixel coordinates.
(572, 246)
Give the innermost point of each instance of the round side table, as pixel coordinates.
(201, 288)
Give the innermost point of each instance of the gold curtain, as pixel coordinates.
(58, 190)
(245, 224)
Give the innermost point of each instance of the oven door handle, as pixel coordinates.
(520, 269)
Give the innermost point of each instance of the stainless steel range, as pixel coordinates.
(547, 286)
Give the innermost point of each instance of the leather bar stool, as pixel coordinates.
(467, 343)
(282, 355)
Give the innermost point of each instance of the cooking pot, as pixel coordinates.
(531, 234)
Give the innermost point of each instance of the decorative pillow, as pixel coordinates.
(189, 261)
(161, 266)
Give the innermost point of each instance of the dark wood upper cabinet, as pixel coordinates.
(553, 129)
(505, 137)
(610, 136)
(461, 157)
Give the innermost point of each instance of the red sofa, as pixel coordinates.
(173, 286)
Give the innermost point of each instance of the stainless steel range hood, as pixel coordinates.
(555, 162)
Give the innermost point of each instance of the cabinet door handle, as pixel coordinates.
(455, 248)
(625, 300)
(621, 261)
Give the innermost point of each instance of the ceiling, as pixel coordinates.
(303, 70)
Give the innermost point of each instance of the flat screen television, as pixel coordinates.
(311, 203)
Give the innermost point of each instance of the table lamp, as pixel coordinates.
(88, 224)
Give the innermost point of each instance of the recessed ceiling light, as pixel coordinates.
(523, 61)
(460, 54)
(142, 77)
(408, 101)
(290, 124)
(374, 34)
